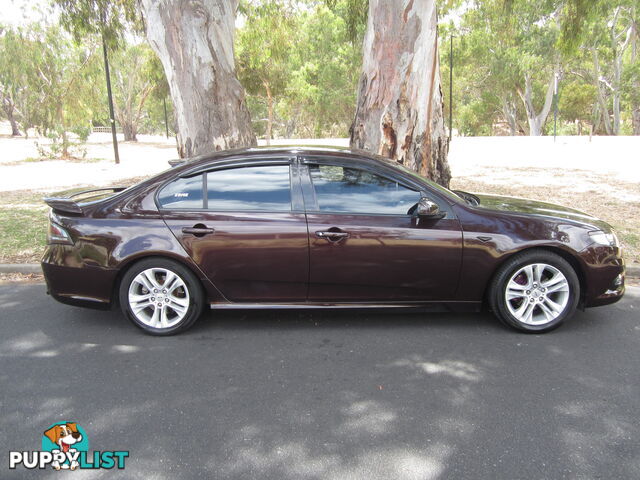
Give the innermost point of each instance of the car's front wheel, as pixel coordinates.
(535, 291)
(161, 296)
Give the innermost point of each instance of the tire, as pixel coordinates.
(177, 294)
(534, 292)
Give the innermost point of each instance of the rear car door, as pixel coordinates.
(365, 246)
(244, 225)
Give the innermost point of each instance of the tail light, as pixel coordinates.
(57, 234)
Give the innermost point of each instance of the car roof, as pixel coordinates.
(283, 150)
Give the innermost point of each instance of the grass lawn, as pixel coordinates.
(24, 219)
(23, 226)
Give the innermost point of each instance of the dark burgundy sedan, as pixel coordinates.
(322, 228)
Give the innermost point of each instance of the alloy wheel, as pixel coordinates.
(537, 294)
(159, 298)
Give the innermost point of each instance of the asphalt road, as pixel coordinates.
(326, 395)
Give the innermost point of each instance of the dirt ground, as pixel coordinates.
(21, 278)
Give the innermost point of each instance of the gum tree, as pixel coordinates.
(399, 112)
(194, 41)
(264, 45)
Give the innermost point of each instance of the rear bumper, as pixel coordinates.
(80, 285)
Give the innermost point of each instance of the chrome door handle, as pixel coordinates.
(198, 230)
(332, 236)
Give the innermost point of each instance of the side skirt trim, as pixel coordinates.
(448, 306)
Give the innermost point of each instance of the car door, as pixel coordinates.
(365, 246)
(245, 226)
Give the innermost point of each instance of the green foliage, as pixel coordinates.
(63, 143)
(354, 14)
(263, 46)
(108, 19)
(16, 98)
(326, 67)
(304, 54)
(134, 71)
(299, 61)
(499, 44)
(576, 101)
(52, 80)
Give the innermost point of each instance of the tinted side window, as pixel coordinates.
(350, 190)
(182, 193)
(265, 188)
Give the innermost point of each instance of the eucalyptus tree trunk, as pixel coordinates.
(537, 120)
(619, 50)
(130, 131)
(510, 113)
(601, 95)
(194, 41)
(635, 119)
(399, 110)
(9, 111)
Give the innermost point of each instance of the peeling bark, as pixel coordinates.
(399, 110)
(194, 41)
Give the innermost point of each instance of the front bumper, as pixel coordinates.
(605, 275)
(613, 294)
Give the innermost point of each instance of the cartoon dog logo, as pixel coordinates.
(64, 435)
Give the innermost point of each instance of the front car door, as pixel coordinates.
(366, 246)
(244, 225)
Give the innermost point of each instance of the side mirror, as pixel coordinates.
(428, 209)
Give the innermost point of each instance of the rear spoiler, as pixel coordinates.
(67, 203)
(177, 162)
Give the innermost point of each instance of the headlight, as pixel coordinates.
(602, 238)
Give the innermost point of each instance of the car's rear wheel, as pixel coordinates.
(535, 291)
(161, 296)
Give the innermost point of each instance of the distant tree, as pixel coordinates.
(12, 75)
(485, 81)
(608, 43)
(325, 65)
(133, 82)
(264, 44)
(576, 102)
(58, 81)
(631, 89)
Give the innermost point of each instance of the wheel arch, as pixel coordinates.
(129, 263)
(570, 258)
